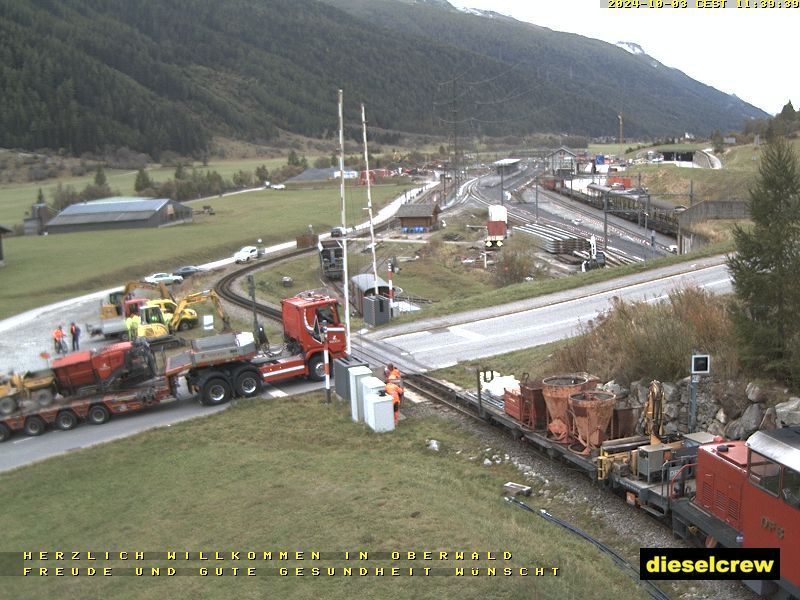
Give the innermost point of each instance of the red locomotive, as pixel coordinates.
(748, 496)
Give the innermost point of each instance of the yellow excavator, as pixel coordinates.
(114, 308)
(156, 324)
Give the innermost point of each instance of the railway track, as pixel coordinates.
(225, 286)
(616, 229)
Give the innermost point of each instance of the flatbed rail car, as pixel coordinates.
(733, 494)
(652, 496)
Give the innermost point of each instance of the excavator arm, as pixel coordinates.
(116, 300)
(201, 297)
(143, 285)
(654, 412)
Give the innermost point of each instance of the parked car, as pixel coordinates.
(246, 254)
(165, 278)
(278, 186)
(188, 271)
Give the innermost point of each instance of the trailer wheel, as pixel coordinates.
(5, 432)
(66, 420)
(34, 426)
(8, 405)
(98, 414)
(214, 391)
(316, 368)
(247, 383)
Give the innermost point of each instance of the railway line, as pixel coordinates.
(225, 286)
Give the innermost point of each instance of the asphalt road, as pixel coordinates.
(442, 343)
(22, 450)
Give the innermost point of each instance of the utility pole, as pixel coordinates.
(536, 198)
(369, 199)
(345, 276)
(455, 162)
(502, 188)
(605, 220)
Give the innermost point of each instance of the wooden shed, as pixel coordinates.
(418, 218)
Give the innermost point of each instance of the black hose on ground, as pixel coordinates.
(649, 587)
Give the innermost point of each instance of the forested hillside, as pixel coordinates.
(86, 74)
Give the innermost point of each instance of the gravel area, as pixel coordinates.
(570, 496)
(21, 345)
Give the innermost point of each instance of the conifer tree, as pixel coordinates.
(766, 268)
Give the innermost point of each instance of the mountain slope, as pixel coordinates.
(655, 99)
(84, 74)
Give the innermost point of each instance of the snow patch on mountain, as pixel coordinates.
(631, 47)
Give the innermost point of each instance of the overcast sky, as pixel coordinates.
(751, 53)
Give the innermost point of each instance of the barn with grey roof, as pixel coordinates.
(119, 213)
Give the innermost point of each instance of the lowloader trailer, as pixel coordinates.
(122, 378)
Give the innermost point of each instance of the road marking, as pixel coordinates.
(467, 334)
(276, 393)
(25, 439)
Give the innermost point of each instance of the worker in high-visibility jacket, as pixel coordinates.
(395, 391)
(391, 373)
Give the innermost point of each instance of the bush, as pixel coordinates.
(516, 262)
(636, 340)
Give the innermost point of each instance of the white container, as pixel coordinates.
(498, 212)
(379, 412)
(357, 374)
(369, 385)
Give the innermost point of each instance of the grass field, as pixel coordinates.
(40, 270)
(15, 199)
(451, 286)
(436, 278)
(620, 149)
(705, 184)
(296, 475)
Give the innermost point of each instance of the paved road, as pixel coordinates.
(440, 343)
(22, 450)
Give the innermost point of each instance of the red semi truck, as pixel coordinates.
(122, 378)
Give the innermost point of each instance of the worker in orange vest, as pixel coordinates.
(58, 340)
(395, 391)
(391, 373)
